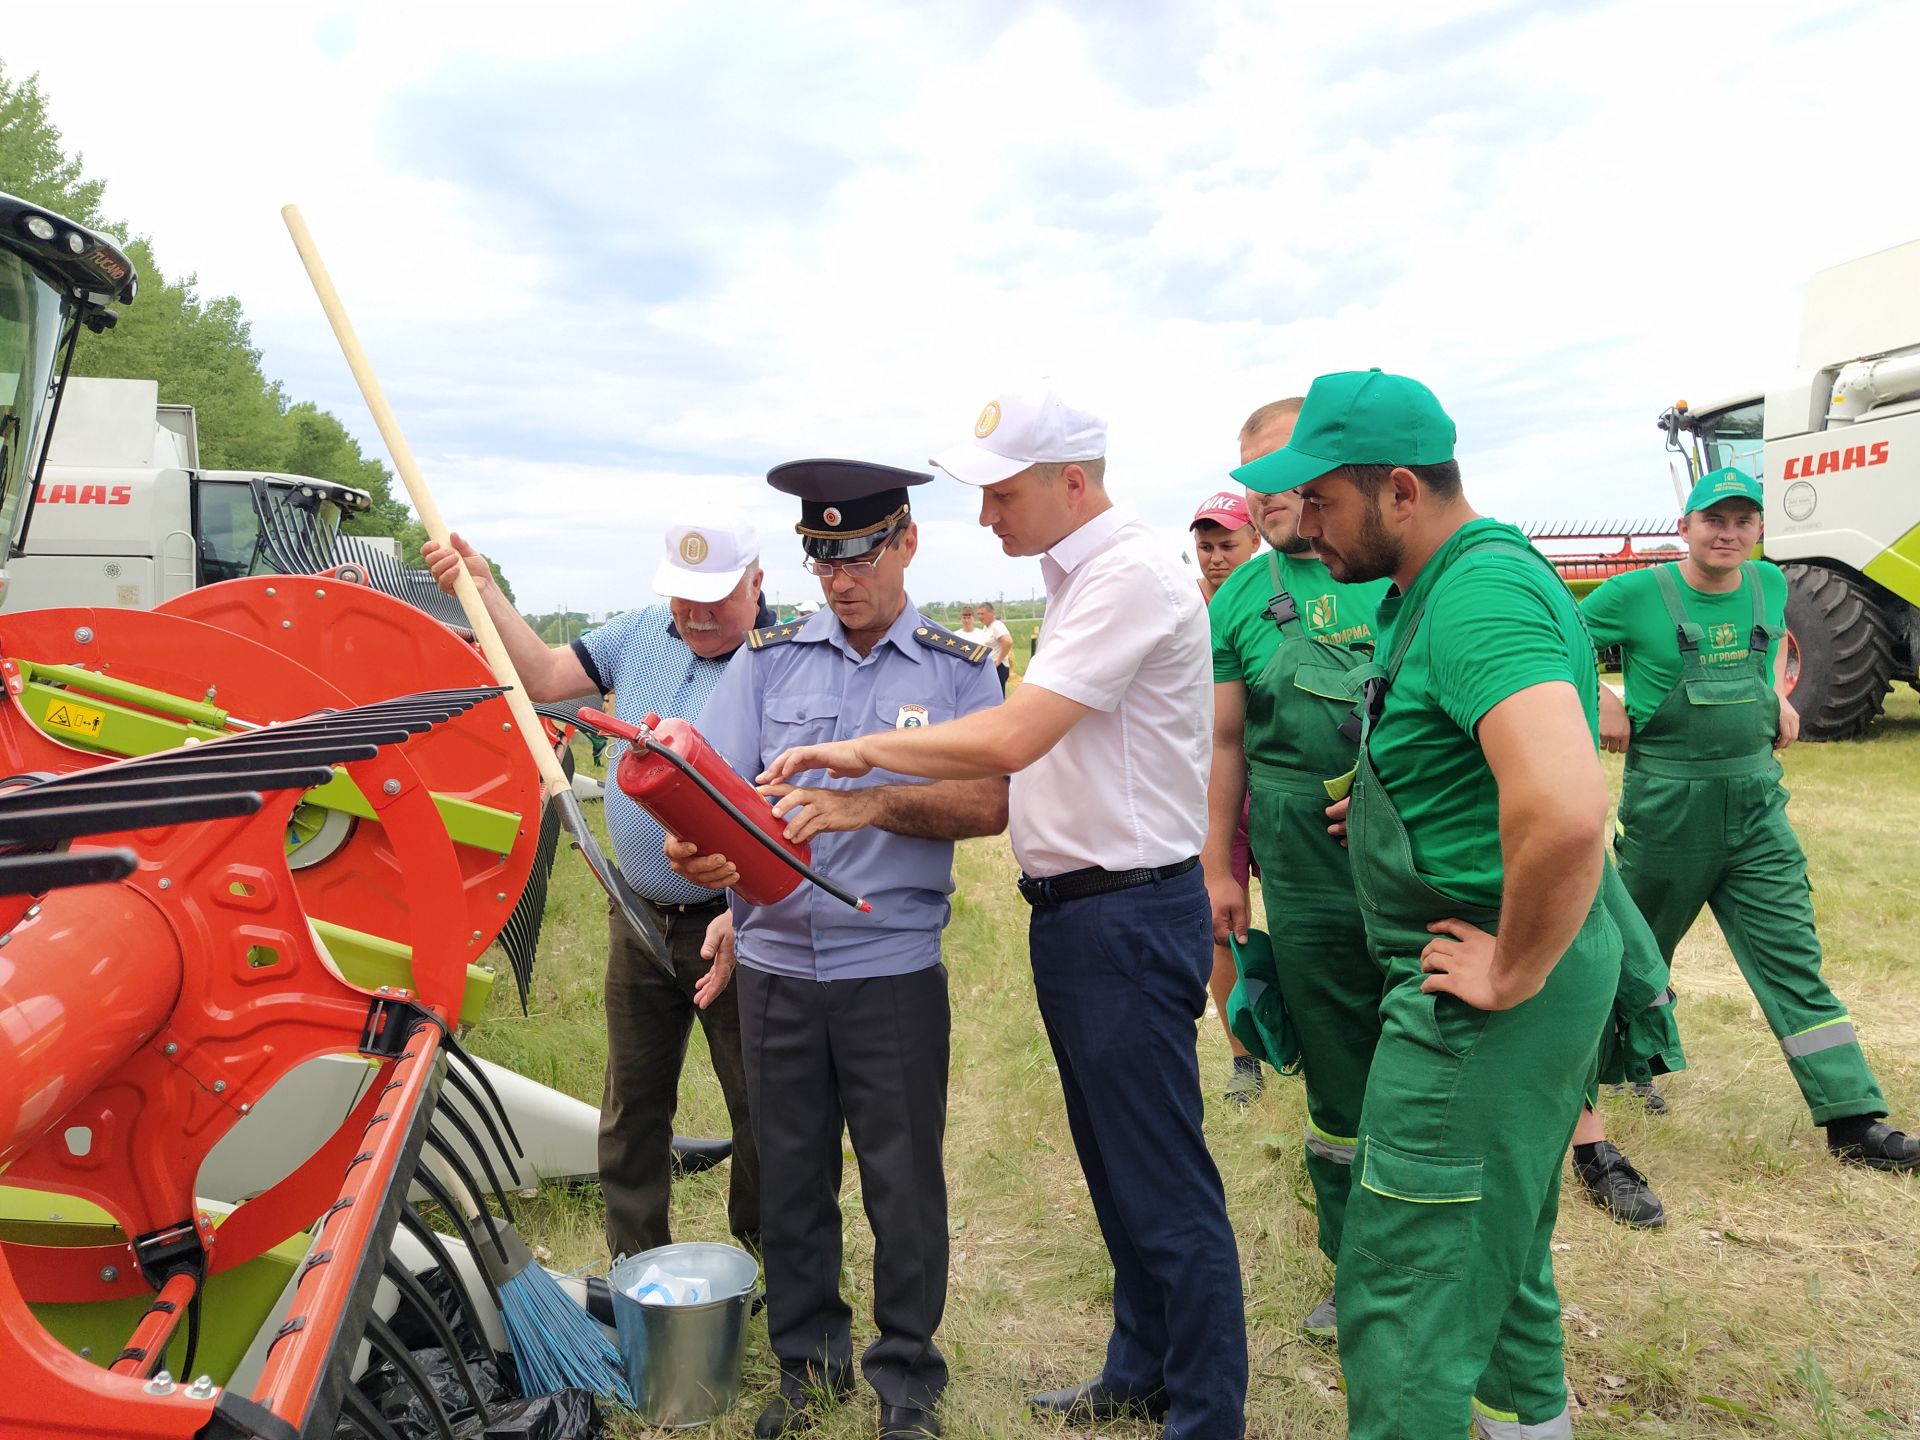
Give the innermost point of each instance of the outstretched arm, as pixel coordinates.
(943, 810)
(986, 744)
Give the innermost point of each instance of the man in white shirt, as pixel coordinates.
(1108, 742)
(1001, 639)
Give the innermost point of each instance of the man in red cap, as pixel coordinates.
(1223, 539)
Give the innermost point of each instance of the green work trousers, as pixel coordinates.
(1328, 980)
(1690, 839)
(1445, 1281)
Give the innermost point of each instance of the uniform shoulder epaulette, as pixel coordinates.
(773, 635)
(948, 643)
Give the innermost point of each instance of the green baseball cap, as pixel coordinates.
(1725, 483)
(1355, 417)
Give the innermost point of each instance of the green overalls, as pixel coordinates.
(1445, 1283)
(1703, 821)
(1301, 731)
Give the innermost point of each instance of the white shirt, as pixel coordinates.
(1125, 634)
(995, 633)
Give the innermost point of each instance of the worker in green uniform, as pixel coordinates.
(1703, 815)
(1478, 834)
(1285, 637)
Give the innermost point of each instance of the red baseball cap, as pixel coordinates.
(1224, 509)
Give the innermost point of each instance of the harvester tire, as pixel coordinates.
(1845, 650)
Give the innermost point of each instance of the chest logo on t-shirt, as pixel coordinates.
(911, 717)
(1323, 613)
(1722, 637)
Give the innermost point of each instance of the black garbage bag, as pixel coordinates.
(567, 1415)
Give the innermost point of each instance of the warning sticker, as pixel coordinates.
(76, 719)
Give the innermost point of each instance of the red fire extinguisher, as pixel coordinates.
(683, 782)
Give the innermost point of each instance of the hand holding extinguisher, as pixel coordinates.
(675, 776)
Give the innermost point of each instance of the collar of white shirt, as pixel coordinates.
(1070, 553)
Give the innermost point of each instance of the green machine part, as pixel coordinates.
(118, 717)
(237, 1303)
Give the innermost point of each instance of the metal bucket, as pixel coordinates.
(683, 1361)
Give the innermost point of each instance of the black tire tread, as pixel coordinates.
(1856, 645)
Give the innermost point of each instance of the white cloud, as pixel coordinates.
(607, 259)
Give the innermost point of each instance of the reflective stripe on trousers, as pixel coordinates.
(1337, 1148)
(1491, 1424)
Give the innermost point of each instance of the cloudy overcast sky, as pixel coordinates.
(608, 259)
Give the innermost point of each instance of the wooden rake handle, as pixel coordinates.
(553, 778)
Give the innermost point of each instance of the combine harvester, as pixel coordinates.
(252, 845)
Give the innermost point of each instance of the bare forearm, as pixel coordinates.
(1551, 858)
(974, 747)
(942, 810)
(549, 672)
(1226, 794)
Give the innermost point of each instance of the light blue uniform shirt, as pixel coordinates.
(814, 688)
(648, 667)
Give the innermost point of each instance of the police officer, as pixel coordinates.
(1478, 832)
(843, 1015)
(1106, 737)
(1703, 815)
(1285, 636)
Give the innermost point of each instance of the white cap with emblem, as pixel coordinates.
(1031, 424)
(706, 557)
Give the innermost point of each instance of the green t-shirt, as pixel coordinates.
(1496, 622)
(1244, 639)
(1627, 611)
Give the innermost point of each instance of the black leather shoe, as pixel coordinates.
(907, 1422)
(1094, 1401)
(796, 1408)
(692, 1155)
(1615, 1186)
(1881, 1148)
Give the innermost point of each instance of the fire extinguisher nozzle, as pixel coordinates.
(865, 908)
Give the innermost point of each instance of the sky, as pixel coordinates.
(612, 262)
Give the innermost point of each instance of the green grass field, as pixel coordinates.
(1781, 1299)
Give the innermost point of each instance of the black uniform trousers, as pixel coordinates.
(649, 1017)
(869, 1055)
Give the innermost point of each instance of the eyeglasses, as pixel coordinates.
(852, 569)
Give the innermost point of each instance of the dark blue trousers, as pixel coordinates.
(1121, 979)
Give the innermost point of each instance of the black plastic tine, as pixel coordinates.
(33, 874)
(363, 1413)
(485, 1157)
(464, 1088)
(460, 1052)
(429, 1237)
(93, 784)
(413, 1293)
(51, 826)
(221, 759)
(431, 1183)
(385, 1343)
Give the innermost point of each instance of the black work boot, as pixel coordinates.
(1869, 1141)
(1616, 1187)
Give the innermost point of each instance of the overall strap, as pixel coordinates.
(1685, 632)
(1761, 636)
(1281, 609)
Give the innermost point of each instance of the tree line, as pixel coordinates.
(199, 349)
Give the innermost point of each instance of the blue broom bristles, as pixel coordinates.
(555, 1343)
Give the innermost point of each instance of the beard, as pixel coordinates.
(1374, 554)
(1294, 544)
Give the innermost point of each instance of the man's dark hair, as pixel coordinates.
(1442, 479)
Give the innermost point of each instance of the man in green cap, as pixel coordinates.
(1478, 835)
(1285, 637)
(1703, 816)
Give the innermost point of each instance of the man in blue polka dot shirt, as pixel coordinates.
(662, 659)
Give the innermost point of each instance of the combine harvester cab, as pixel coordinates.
(252, 845)
(1838, 448)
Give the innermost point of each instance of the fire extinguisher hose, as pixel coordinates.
(596, 719)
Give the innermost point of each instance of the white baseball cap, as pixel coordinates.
(1029, 425)
(706, 556)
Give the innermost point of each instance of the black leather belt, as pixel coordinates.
(696, 907)
(1078, 884)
